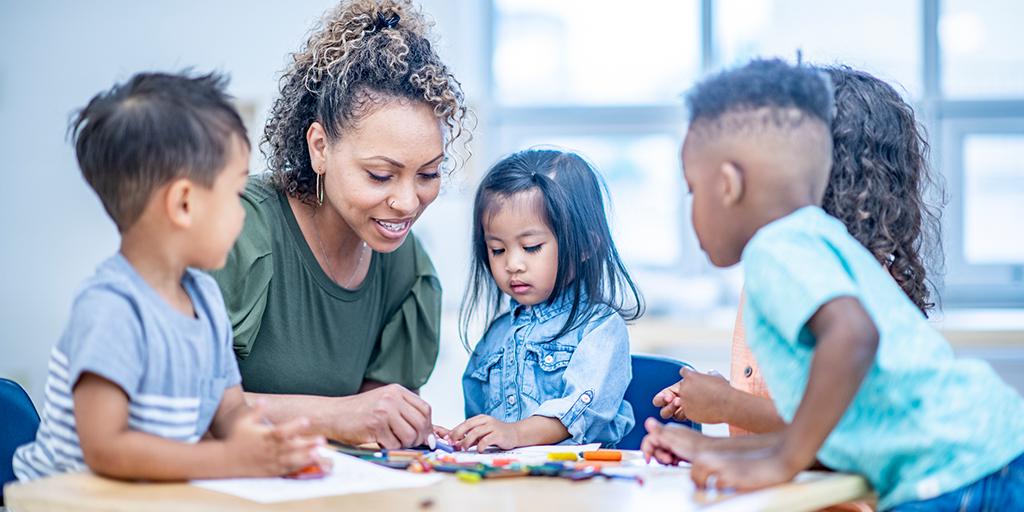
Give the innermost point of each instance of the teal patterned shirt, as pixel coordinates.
(923, 423)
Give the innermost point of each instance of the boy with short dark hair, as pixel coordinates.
(145, 368)
(864, 383)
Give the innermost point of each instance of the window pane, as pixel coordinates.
(887, 45)
(644, 180)
(982, 49)
(993, 195)
(589, 52)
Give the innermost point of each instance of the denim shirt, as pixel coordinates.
(517, 371)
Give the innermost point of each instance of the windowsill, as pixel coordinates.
(964, 328)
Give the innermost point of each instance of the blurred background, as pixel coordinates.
(601, 77)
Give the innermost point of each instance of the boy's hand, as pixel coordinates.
(699, 397)
(670, 444)
(259, 449)
(741, 470)
(664, 400)
(484, 431)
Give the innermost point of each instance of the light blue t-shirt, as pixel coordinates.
(173, 368)
(923, 423)
(579, 378)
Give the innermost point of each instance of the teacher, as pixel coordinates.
(334, 303)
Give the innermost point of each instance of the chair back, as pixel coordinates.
(19, 425)
(651, 374)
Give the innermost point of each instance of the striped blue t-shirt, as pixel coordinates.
(173, 368)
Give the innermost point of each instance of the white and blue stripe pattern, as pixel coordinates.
(56, 448)
(173, 368)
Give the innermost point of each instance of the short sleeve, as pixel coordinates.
(410, 338)
(244, 280)
(790, 275)
(105, 337)
(228, 365)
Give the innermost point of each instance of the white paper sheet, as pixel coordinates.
(350, 475)
(526, 454)
(555, 448)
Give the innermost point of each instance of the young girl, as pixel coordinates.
(554, 367)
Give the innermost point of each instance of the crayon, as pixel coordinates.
(603, 455)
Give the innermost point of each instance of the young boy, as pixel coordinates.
(864, 383)
(145, 369)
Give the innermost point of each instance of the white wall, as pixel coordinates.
(55, 55)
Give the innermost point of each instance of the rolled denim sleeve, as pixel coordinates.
(592, 407)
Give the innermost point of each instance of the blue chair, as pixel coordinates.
(19, 425)
(651, 374)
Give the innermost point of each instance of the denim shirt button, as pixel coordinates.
(511, 399)
(585, 398)
(549, 359)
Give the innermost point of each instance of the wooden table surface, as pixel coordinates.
(663, 489)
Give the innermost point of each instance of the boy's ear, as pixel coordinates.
(732, 183)
(316, 140)
(178, 202)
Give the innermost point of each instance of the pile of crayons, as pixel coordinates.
(573, 466)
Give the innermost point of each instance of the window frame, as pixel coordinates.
(947, 122)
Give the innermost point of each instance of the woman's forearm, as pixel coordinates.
(390, 416)
(322, 412)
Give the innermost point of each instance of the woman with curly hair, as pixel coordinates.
(334, 303)
(877, 188)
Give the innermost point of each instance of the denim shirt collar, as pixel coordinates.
(540, 312)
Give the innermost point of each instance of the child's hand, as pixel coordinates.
(664, 400)
(441, 432)
(700, 397)
(741, 470)
(484, 431)
(670, 444)
(257, 448)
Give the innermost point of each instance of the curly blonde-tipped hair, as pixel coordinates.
(361, 53)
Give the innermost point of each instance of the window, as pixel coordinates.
(606, 81)
(589, 52)
(982, 54)
(825, 33)
(993, 186)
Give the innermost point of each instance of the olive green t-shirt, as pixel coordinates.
(297, 331)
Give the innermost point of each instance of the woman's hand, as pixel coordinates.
(391, 416)
(699, 397)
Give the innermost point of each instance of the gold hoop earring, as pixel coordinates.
(319, 189)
